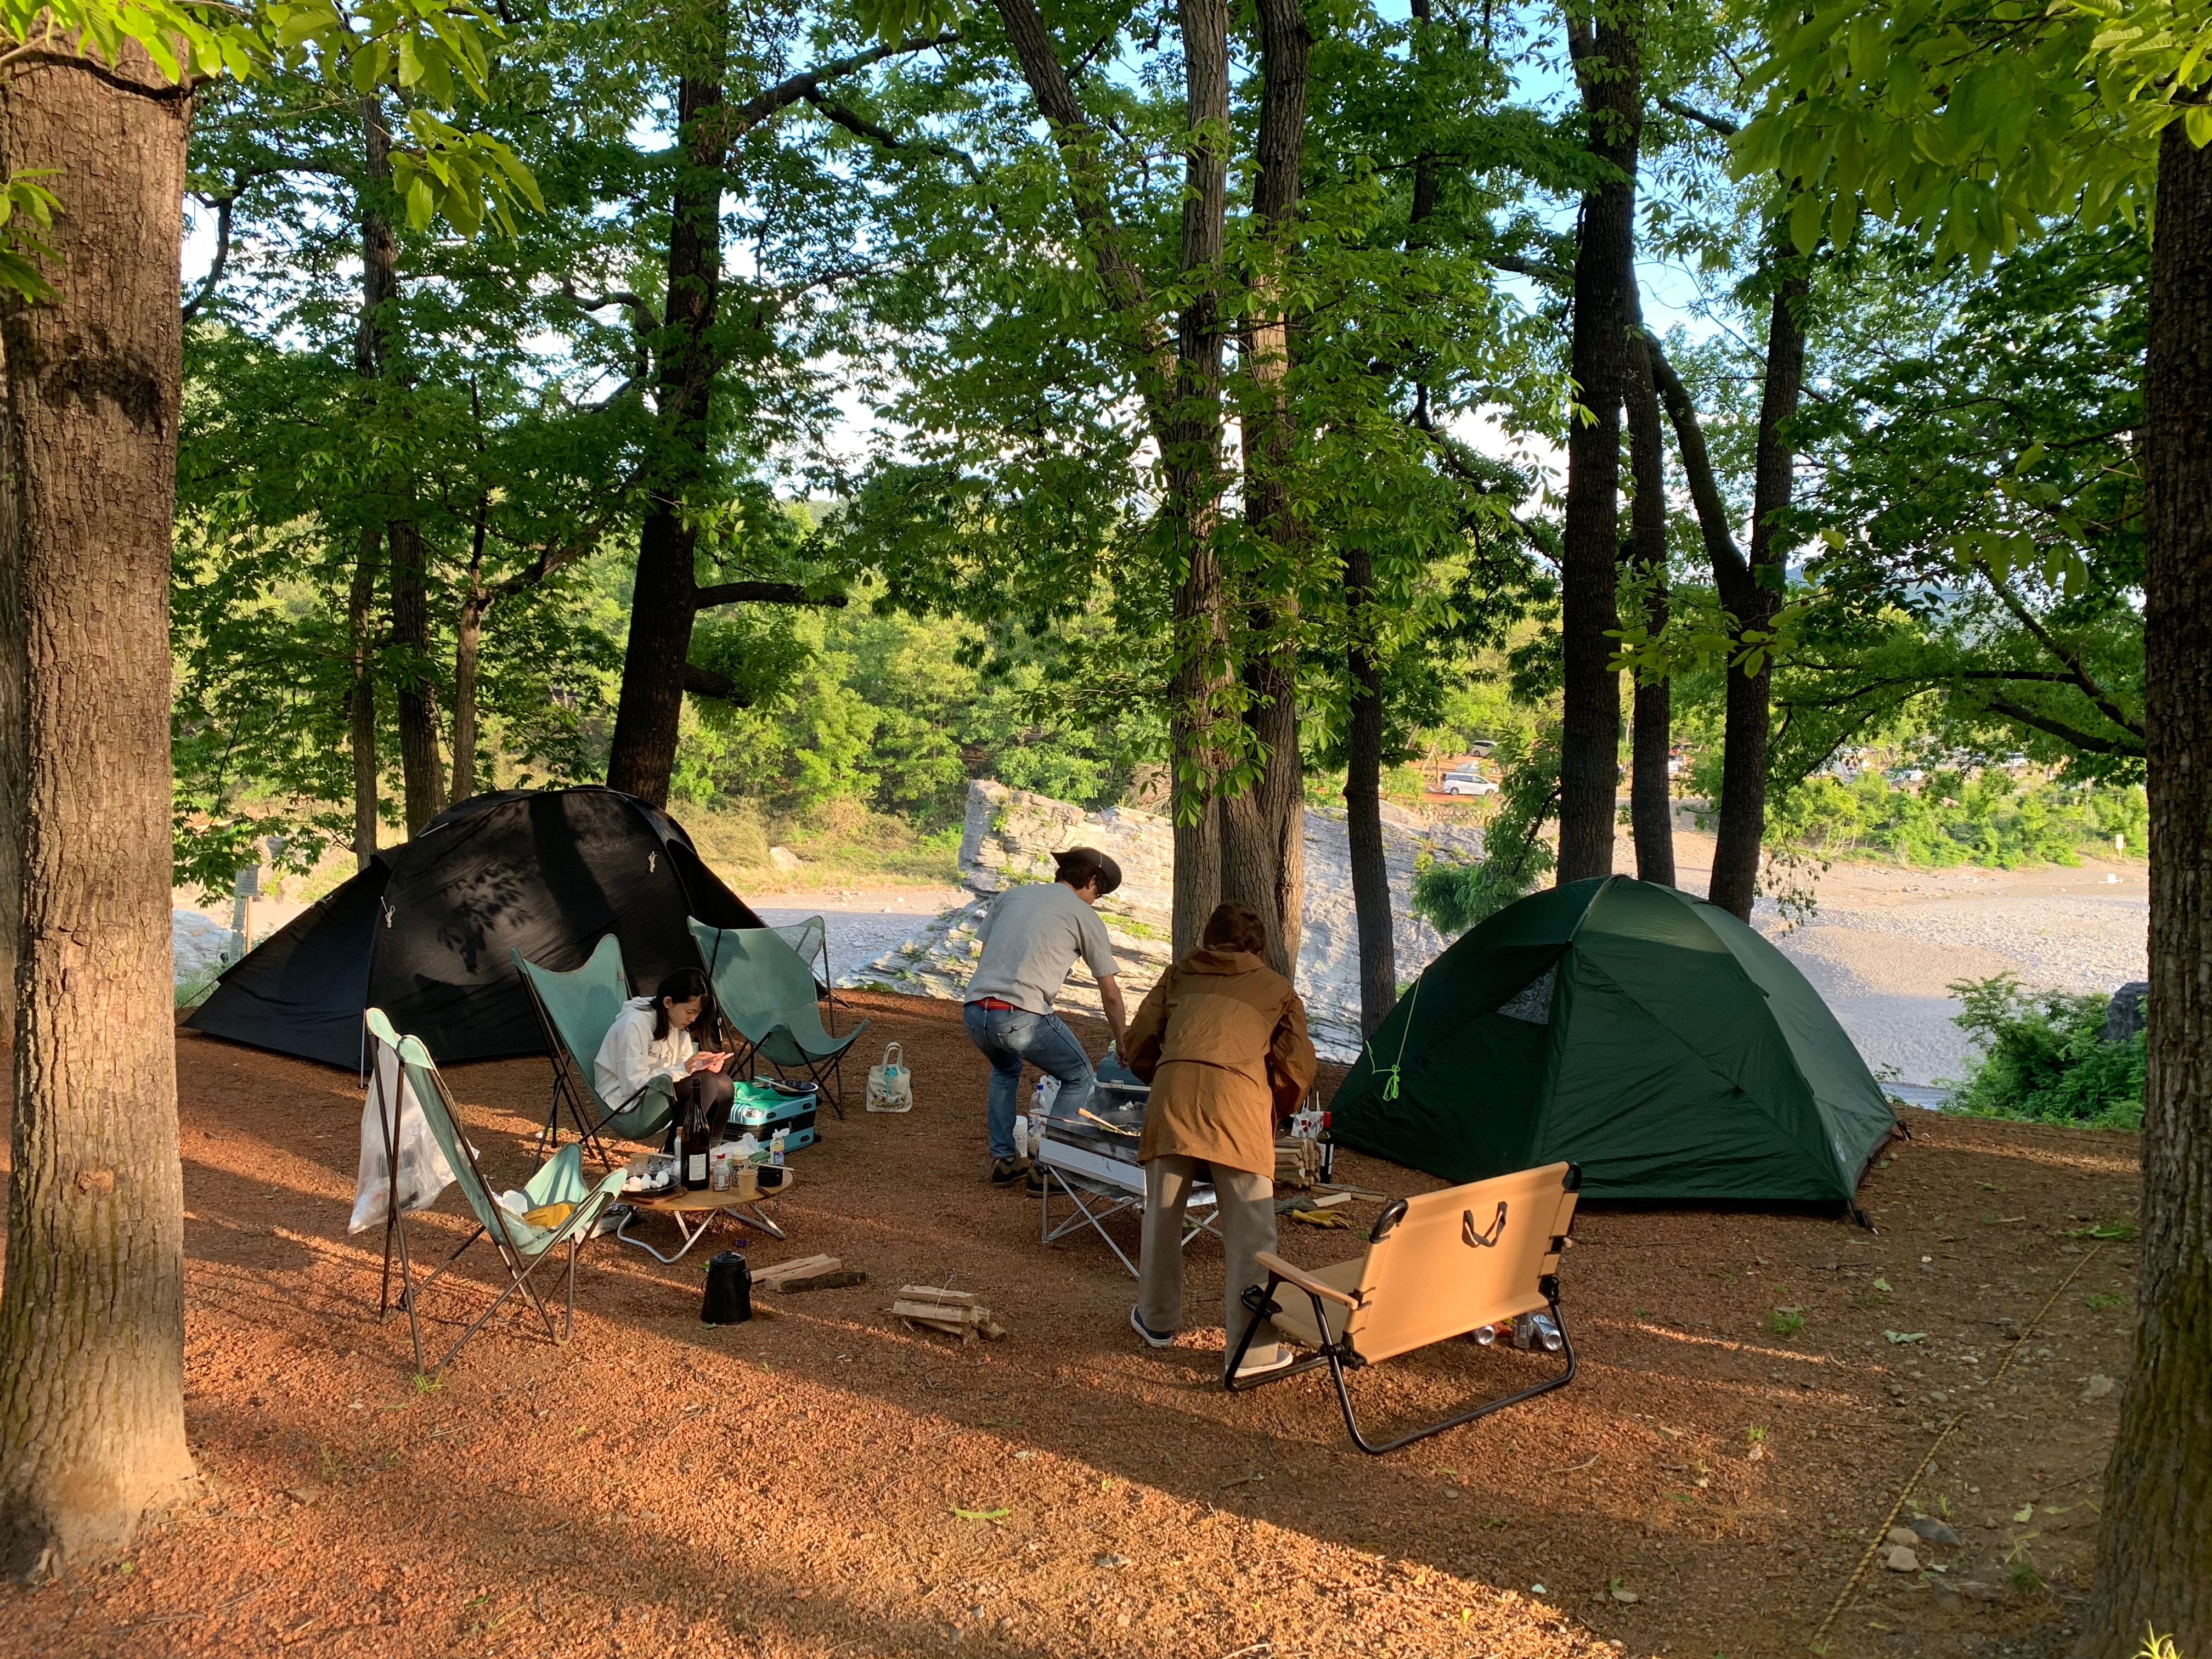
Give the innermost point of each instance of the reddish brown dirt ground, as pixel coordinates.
(795, 1487)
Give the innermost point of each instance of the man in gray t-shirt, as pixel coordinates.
(1031, 936)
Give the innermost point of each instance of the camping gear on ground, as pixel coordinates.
(768, 994)
(694, 1213)
(1649, 1037)
(1443, 1265)
(764, 1108)
(523, 1245)
(425, 931)
(729, 1298)
(394, 1137)
(1092, 1161)
(891, 1085)
(574, 1009)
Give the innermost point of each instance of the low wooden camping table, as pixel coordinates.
(694, 1213)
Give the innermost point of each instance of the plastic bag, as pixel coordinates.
(424, 1172)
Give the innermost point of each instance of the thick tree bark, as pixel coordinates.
(1263, 829)
(1609, 65)
(1752, 596)
(2154, 1543)
(415, 699)
(91, 1318)
(360, 696)
(1191, 454)
(1362, 798)
(1650, 805)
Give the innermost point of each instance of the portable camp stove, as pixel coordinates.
(1092, 1161)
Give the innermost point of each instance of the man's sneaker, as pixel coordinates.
(1265, 1361)
(1152, 1338)
(1034, 1185)
(1005, 1171)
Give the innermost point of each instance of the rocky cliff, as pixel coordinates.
(1010, 835)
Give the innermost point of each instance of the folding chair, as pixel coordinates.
(1437, 1267)
(523, 1246)
(575, 1010)
(766, 991)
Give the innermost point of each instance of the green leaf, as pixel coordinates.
(1805, 217)
(982, 1515)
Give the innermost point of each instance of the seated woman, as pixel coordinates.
(651, 1038)
(1223, 1042)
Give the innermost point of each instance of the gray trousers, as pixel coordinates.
(1247, 1210)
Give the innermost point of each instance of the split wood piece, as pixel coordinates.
(807, 1272)
(953, 1313)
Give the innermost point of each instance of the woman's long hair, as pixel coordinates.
(681, 986)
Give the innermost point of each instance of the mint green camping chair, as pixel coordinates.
(575, 1010)
(766, 991)
(523, 1246)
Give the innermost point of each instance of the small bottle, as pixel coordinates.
(775, 1146)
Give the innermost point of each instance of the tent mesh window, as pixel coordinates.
(1533, 1002)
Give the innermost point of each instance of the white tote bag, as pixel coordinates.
(891, 1085)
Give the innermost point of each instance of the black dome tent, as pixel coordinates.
(423, 933)
(1647, 1036)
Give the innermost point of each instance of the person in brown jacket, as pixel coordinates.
(1222, 1040)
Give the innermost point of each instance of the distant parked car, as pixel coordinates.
(1466, 781)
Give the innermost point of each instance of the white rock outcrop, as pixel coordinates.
(1011, 834)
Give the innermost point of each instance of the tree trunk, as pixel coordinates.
(414, 701)
(664, 602)
(2154, 1543)
(1362, 798)
(1607, 63)
(468, 642)
(91, 1316)
(1650, 804)
(1263, 829)
(1754, 601)
(1191, 455)
(361, 699)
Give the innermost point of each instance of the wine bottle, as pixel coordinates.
(696, 1140)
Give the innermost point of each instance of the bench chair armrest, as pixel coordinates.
(1305, 1281)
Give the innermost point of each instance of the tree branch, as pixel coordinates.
(1550, 275)
(763, 593)
(2060, 730)
(845, 116)
(1719, 124)
(640, 312)
(705, 683)
(1732, 574)
(2072, 663)
(742, 118)
(222, 205)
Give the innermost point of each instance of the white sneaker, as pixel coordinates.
(1152, 1338)
(1265, 1362)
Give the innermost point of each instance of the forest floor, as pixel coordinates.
(826, 1481)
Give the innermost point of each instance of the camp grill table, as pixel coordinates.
(694, 1213)
(1097, 1171)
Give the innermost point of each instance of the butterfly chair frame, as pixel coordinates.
(386, 1083)
(825, 1066)
(505, 1232)
(572, 1083)
(1431, 1273)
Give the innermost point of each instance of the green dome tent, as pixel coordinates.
(1644, 1035)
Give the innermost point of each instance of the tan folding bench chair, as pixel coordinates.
(1437, 1267)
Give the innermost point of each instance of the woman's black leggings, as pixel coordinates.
(713, 1092)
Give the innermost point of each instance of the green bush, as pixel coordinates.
(2044, 1058)
(1985, 817)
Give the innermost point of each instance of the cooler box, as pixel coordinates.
(761, 1107)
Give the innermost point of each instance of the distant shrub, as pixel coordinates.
(2044, 1058)
(1986, 817)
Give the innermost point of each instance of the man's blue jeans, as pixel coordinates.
(1010, 1036)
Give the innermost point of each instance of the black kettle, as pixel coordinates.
(729, 1299)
